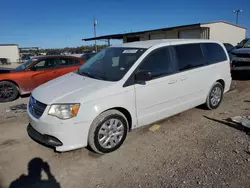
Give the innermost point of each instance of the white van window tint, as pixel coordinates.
(158, 62)
(214, 53)
(111, 64)
(189, 56)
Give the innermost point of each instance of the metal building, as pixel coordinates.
(218, 30)
(9, 53)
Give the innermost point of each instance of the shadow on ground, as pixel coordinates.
(231, 124)
(34, 177)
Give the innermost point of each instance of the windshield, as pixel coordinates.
(87, 56)
(243, 43)
(110, 64)
(25, 64)
(247, 44)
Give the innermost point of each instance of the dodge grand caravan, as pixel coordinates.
(124, 87)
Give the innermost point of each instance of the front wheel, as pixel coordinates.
(108, 131)
(215, 96)
(8, 91)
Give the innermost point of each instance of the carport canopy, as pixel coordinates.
(121, 35)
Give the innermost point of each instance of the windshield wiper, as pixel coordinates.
(86, 74)
(92, 76)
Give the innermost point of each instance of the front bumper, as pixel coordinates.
(235, 68)
(63, 135)
(44, 139)
(240, 64)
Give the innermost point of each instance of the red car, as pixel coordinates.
(34, 72)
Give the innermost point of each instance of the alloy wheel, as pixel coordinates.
(111, 133)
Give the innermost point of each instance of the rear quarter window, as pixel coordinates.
(214, 53)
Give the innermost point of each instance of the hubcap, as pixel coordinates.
(6, 91)
(111, 133)
(215, 96)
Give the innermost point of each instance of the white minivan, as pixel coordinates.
(124, 87)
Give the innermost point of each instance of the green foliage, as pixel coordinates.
(79, 49)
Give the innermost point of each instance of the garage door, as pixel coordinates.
(190, 34)
(157, 36)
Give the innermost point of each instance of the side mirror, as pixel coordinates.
(143, 76)
(33, 68)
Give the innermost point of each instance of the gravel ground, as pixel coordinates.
(197, 148)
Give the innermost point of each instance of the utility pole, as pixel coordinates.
(237, 14)
(95, 23)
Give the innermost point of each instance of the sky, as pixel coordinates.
(61, 23)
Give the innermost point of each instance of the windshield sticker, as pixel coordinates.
(133, 51)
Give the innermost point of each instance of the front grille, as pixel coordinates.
(240, 64)
(36, 108)
(243, 55)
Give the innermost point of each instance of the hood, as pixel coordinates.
(241, 51)
(6, 70)
(71, 88)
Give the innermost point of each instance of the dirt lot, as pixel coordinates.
(197, 148)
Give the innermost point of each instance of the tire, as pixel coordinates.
(8, 91)
(101, 132)
(215, 96)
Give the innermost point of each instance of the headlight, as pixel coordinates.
(64, 111)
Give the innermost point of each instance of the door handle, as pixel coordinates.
(172, 81)
(184, 78)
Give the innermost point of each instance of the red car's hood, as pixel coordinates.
(6, 70)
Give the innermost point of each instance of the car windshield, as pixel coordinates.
(110, 64)
(247, 44)
(25, 64)
(87, 56)
(242, 43)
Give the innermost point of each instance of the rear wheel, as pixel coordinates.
(108, 131)
(215, 96)
(8, 91)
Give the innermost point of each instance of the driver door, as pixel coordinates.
(159, 97)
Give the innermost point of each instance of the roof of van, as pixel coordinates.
(150, 43)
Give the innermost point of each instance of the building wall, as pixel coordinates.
(170, 34)
(225, 33)
(10, 52)
(173, 34)
(218, 31)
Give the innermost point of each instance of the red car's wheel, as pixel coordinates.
(8, 91)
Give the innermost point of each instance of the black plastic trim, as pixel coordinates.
(44, 139)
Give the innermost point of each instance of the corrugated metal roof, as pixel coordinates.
(121, 35)
(8, 44)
